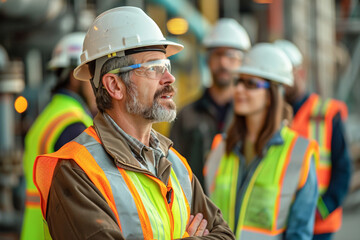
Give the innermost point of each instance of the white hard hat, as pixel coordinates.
(268, 61)
(4, 58)
(227, 32)
(115, 31)
(67, 51)
(291, 51)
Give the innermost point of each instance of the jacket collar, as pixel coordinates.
(118, 148)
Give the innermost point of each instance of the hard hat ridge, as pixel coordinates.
(67, 51)
(291, 50)
(267, 61)
(116, 32)
(227, 32)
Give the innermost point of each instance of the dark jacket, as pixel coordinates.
(195, 127)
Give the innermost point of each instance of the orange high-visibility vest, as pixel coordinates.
(268, 197)
(61, 112)
(140, 214)
(314, 120)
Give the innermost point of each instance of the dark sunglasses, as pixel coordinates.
(251, 83)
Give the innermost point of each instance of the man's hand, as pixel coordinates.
(197, 226)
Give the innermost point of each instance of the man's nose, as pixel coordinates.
(167, 78)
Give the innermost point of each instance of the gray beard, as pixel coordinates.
(155, 113)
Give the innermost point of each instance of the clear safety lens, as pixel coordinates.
(152, 70)
(229, 54)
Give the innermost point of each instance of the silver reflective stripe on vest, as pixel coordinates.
(288, 191)
(258, 236)
(212, 165)
(182, 175)
(121, 193)
(291, 180)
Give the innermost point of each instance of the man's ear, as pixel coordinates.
(113, 85)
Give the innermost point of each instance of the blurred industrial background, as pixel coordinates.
(327, 32)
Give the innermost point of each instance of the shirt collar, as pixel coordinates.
(276, 139)
(136, 146)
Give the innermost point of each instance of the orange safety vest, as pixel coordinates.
(61, 112)
(140, 215)
(314, 120)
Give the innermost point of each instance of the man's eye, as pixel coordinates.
(152, 68)
(159, 69)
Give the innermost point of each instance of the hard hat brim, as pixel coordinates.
(226, 45)
(82, 71)
(266, 75)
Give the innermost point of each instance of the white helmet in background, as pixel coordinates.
(227, 32)
(267, 61)
(291, 51)
(67, 51)
(115, 31)
(4, 58)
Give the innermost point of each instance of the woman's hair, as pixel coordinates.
(103, 99)
(278, 111)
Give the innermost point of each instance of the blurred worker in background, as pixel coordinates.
(261, 174)
(120, 179)
(198, 122)
(63, 119)
(322, 120)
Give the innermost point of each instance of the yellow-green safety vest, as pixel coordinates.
(278, 176)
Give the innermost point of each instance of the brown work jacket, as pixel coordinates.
(74, 201)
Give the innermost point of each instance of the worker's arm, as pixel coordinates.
(302, 212)
(76, 208)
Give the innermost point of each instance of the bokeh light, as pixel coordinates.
(177, 26)
(21, 104)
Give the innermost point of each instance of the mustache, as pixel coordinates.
(222, 70)
(166, 89)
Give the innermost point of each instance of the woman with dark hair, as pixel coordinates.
(261, 174)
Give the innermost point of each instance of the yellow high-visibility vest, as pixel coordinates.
(276, 179)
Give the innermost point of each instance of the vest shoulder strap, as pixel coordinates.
(183, 173)
(45, 165)
(328, 108)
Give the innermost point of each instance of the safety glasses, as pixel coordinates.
(152, 70)
(251, 83)
(229, 54)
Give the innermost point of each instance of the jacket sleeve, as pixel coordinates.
(217, 226)
(341, 168)
(302, 212)
(72, 213)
